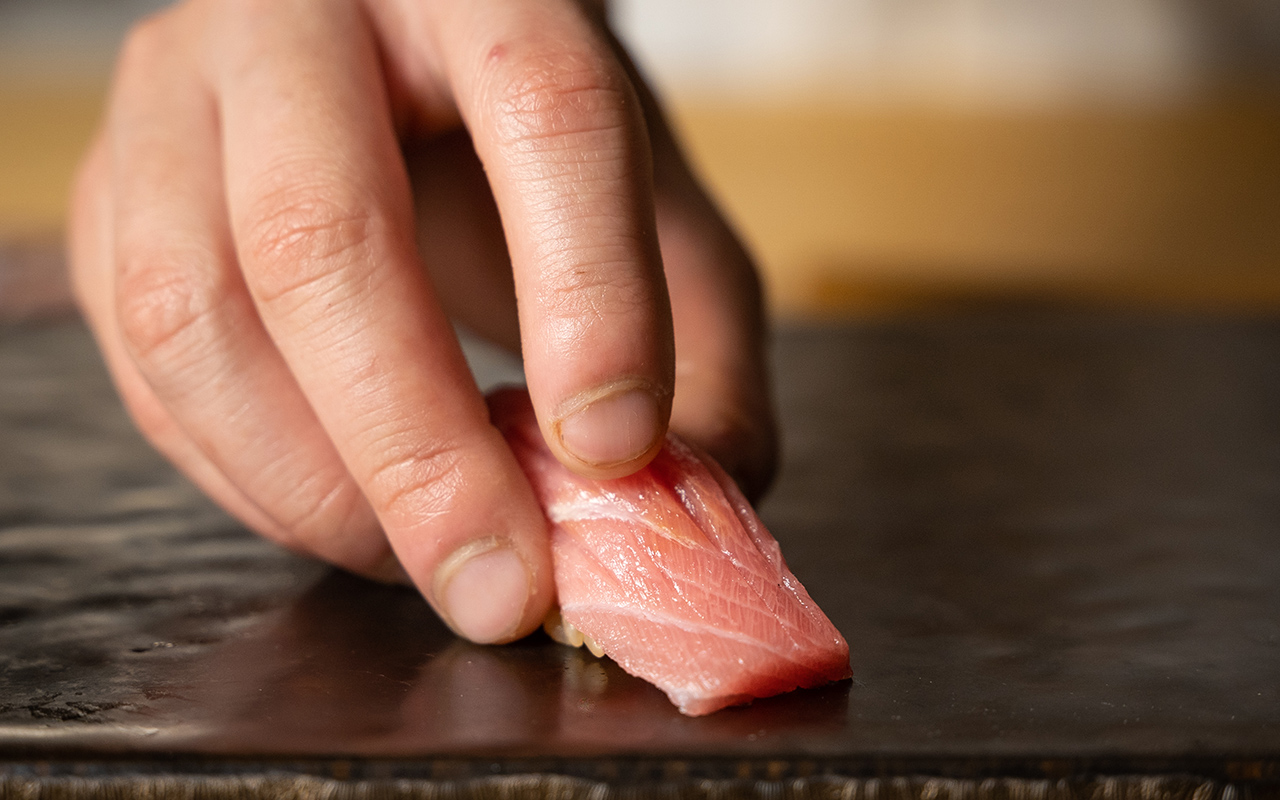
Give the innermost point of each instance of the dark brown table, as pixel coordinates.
(1052, 540)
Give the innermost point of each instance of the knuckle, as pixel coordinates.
(418, 483)
(335, 521)
(161, 306)
(322, 512)
(599, 290)
(552, 93)
(300, 238)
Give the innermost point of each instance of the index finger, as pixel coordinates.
(320, 205)
(561, 132)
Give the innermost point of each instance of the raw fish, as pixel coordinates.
(670, 573)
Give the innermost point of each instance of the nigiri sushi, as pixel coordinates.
(671, 574)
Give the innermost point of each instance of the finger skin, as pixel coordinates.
(460, 238)
(722, 400)
(90, 249)
(558, 127)
(722, 392)
(323, 223)
(188, 322)
(724, 397)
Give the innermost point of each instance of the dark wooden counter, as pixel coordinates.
(1053, 542)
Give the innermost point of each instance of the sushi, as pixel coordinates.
(670, 573)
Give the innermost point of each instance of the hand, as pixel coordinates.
(249, 248)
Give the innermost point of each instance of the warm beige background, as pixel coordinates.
(864, 208)
(1151, 179)
(43, 129)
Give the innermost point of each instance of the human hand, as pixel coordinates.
(272, 292)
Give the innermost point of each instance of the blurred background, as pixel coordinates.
(878, 155)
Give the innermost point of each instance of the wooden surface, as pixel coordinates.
(1050, 540)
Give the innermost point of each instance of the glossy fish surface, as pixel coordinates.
(670, 572)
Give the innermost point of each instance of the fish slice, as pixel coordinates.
(671, 574)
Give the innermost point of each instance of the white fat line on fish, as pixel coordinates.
(747, 574)
(694, 628)
(586, 510)
(791, 622)
(594, 509)
(626, 576)
(589, 507)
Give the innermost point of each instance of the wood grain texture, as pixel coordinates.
(1050, 541)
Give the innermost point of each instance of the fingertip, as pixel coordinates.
(612, 430)
(488, 592)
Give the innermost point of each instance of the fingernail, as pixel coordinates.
(483, 589)
(612, 429)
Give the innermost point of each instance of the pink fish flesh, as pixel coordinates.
(670, 572)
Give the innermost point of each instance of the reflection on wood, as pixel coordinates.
(1050, 542)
